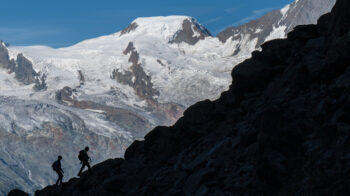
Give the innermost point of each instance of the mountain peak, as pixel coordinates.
(278, 23)
(161, 19)
(175, 29)
(2, 43)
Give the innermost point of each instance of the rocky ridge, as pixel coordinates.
(282, 128)
(22, 67)
(275, 24)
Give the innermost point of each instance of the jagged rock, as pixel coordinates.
(143, 86)
(136, 78)
(24, 70)
(191, 33)
(17, 192)
(131, 27)
(40, 83)
(5, 61)
(297, 13)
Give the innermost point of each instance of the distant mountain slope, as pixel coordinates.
(275, 24)
(104, 92)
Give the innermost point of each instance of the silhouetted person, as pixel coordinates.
(84, 158)
(56, 166)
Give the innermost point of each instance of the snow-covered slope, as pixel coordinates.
(108, 91)
(174, 68)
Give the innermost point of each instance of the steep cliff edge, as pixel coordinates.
(282, 128)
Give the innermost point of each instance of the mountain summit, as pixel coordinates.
(174, 29)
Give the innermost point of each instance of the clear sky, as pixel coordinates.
(60, 23)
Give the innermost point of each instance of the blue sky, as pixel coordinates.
(60, 23)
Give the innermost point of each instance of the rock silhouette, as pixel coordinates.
(283, 128)
(17, 192)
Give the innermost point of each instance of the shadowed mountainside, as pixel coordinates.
(282, 128)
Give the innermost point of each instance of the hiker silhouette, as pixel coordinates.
(56, 166)
(84, 160)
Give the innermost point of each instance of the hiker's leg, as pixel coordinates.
(89, 167)
(81, 169)
(60, 177)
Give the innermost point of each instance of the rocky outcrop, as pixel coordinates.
(136, 77)
(265, 23)
(17, 192)
(5, 61)
(190, 33)
(81, 78)
(277, 22)
(131, 27)
(281, 129)
(143, 87)
(22, 68)
(40, 82)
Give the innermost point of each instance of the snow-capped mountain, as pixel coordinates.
(104, 92)
(273, 25)
(108, 91)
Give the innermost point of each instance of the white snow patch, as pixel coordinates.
(96, 111)
(277, 33)
(258, 30)
(195, 33)
(284, 10)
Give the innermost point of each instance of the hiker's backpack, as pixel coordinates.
(81, 155)
(54, 166)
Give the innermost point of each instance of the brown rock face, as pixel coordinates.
(143, 86)
(5, 61)
(136, 77)
(188, 33)
(24, 70)
(131, 27)
(282, 128)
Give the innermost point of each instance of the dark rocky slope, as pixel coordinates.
(282, 128)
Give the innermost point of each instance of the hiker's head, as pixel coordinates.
(87, 148)
(59, 157)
